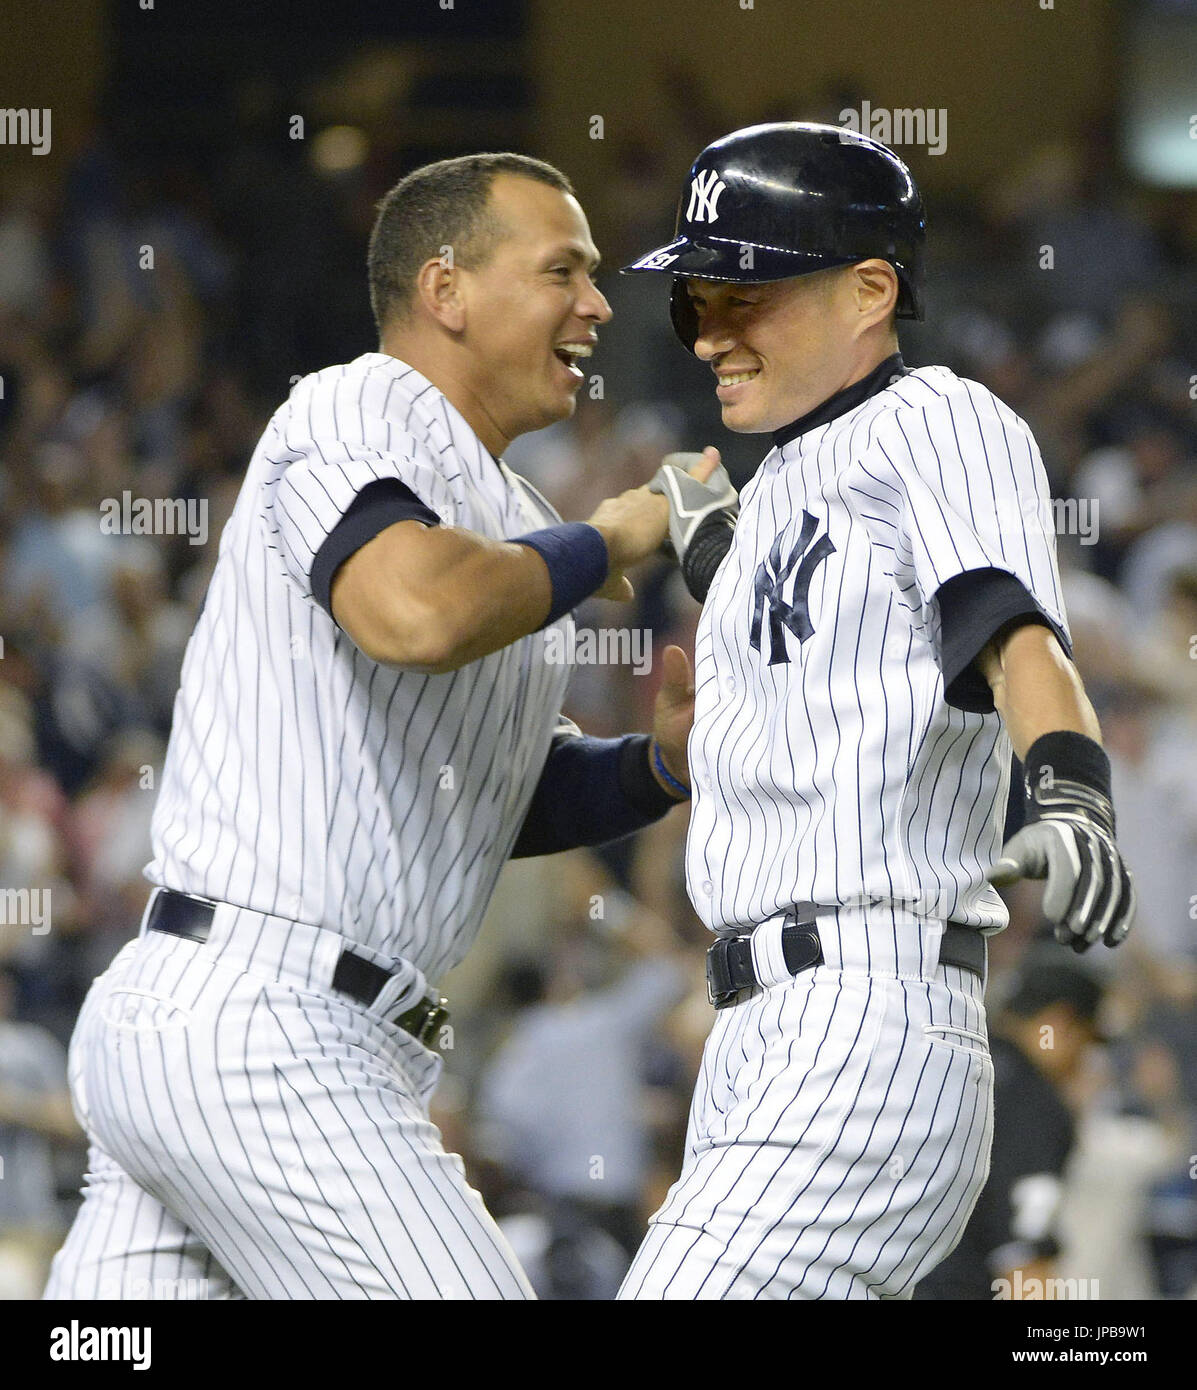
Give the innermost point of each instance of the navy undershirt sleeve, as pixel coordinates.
(591, 791)
(377, 506)
(973, 608)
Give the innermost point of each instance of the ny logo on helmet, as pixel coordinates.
(772, 576)
(705, 189)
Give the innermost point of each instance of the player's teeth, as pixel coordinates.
(736, 378)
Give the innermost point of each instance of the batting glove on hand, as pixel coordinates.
(702, 517)
(1069, 840)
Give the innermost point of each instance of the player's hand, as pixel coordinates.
(633, 525)
(703, 507)
(696, 486)
(673, 714)
(1069, 840)
(636, 523)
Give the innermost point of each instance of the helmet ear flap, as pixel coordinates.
(683, 314)
(910, 297)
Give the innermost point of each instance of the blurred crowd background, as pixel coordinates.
(580, 1017)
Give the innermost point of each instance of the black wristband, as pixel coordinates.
(1065, 756)
(636, 780)
(577, 560)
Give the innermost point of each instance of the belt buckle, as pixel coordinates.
(425, 1020)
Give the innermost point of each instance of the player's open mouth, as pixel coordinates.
(569, 353)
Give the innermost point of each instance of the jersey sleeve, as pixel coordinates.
(955, 497)
(315, 484)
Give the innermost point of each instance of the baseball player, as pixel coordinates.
(882, 622)
(368, 727)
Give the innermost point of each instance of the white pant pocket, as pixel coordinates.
(959, 1039)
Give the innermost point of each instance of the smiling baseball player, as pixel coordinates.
(882, 623)
(368, 727)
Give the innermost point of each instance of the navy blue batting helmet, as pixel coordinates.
(774, 201)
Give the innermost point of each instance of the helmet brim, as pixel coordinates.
(738, 262)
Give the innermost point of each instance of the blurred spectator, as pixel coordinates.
(35, 1115)
(562, 1102)
(1038, 1044)
(1129, 1139)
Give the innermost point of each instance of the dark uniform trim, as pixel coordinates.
(844, 401)
(591, 791)
(379, 504)
(973, 608)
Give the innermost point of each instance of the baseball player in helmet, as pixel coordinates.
(882, 627)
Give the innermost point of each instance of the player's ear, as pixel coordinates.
(439, 291)
(874, 287)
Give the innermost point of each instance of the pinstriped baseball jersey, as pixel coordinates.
(306, 781)
(827, 766)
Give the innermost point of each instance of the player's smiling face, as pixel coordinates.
(780, 349)
(533, 308)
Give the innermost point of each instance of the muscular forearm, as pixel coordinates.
(434, 599)
(1068, 837)
(493, 595)
(1036, 688)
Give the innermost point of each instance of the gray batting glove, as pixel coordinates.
(692, 502)
(1069, 840)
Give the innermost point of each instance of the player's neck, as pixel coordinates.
(872, 375)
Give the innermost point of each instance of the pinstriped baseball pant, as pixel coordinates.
(840, 1131)
(251, 1138)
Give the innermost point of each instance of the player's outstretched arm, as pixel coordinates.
(434, 598)
(1069, 835)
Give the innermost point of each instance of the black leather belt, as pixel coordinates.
(179, 914)
(730, 969)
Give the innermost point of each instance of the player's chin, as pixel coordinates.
(741, 418)
(565, 398)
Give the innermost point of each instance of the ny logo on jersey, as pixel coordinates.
(772, 576)
(704, 194)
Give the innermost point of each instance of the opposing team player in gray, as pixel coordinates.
(368, 727)
(882, 623)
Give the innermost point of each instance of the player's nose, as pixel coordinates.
(712, 341)
(714, 336)
(593, 306)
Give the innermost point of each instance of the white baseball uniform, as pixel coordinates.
(848, 768)
(253, 1132)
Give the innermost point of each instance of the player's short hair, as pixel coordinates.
(439, 205)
